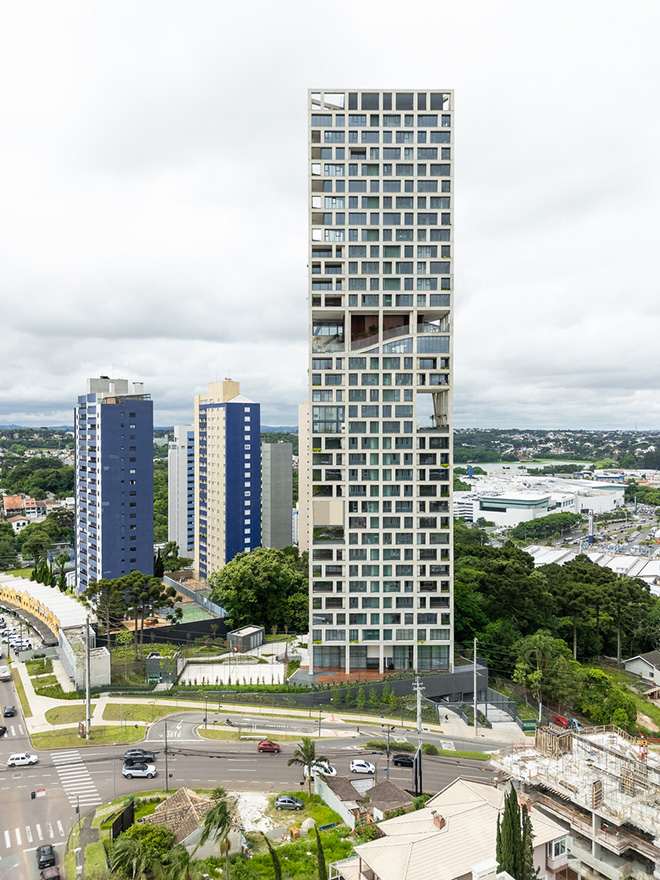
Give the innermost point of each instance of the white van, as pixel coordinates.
(22, 759)
(5, 674)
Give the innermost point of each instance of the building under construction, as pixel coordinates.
(604, 786)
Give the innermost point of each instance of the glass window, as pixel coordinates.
(356, 119)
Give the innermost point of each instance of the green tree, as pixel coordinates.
(509, 846)
(178, 864)
(277, 867)
(323, 871)
(361, 699)
(107, 597)
(261, 587)
(131, 858)
(528, 870)
(216, 825)
(145, 594)
(159, 566)
(304, 755)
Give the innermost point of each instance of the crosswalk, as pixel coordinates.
(75, 778)
(39, 832)
(14, 729)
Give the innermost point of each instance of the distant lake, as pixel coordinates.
(512, 467)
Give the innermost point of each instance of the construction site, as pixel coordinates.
(604, 785)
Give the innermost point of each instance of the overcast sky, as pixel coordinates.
(153, 197)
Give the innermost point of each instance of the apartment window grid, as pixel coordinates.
(381, 227)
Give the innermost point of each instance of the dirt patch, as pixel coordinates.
(252, 807)
(647, 722)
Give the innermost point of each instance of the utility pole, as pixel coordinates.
(88, 710)
(419, 687)
(474, 685)
(167, 775)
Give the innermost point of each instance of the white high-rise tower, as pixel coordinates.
(379, 432)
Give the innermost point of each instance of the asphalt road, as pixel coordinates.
(91, 776)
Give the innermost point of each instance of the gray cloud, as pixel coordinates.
(153, 213)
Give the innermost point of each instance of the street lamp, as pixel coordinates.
(319, 721)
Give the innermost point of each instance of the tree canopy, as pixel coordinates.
(267, 587)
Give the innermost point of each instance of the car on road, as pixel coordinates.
(9, 711)
(560, 721)
(288, 802)
(267, 746)
(403, 760)
(3, 730)
(5, 674)
(52, 873)
(139, 756)
(22, 759)
(146, 770)
(45, 856)
(360, 766)
(320, 768)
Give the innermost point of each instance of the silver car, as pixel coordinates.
(131, 770)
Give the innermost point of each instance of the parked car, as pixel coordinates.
(560, 721)
(139, 756)
(131, 770)
(288, 802)
(360, 766)
(575, 724)
(321, 768)
(52, 873)
(45, 856)
(267, 746)
(403, 760)
(9, 711)
(22, 759)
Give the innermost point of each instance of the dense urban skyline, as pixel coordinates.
(133, 162)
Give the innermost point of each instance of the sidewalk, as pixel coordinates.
(332, 723)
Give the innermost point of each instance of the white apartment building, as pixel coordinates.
(181, 489)
(380, 424)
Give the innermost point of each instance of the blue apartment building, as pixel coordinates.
(114, 481)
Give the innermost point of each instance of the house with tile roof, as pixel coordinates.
(455, 833)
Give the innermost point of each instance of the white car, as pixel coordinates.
(5, 674)
(321, 768)
(22, 759)
(360, 766)
(131, 770)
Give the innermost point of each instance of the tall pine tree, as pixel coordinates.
(510, 844)
(528, 872)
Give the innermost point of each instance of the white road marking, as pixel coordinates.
(60, 828)
(7, 839)
(39, 832)
(50, 830)
(28, 832)
(18, 836)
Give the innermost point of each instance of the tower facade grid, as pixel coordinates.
(380, 365)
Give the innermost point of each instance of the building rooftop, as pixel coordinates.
(456, 830)
(48, 603)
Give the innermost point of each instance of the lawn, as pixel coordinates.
(135, 712)
(299, 859)
(20, 690)
(39, 667)
(43, 681)
(643, 706)
(20, 572)
(222, 733)
(69, 739)
(67, 714)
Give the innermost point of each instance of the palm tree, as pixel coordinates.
(305, 755)
(217, 825)
(178, 864)
(131, 858)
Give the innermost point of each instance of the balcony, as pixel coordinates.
(368, 341)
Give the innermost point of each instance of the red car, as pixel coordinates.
(560, 721)
(267, 746)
